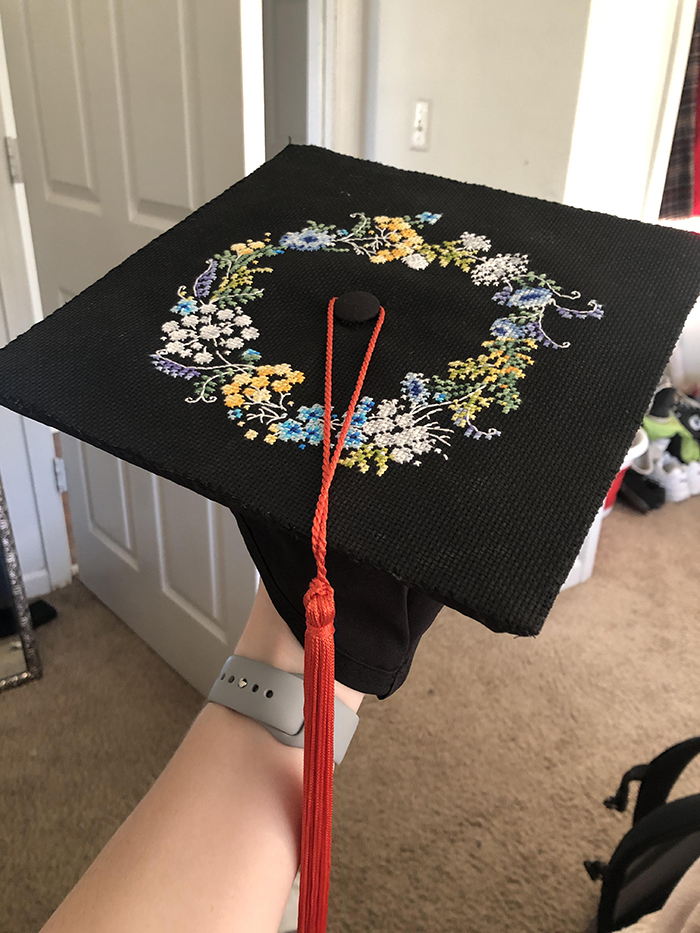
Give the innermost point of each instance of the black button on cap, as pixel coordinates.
(356, 307)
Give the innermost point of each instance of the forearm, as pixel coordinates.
(214, 845)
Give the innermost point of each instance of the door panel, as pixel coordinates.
(130, 116)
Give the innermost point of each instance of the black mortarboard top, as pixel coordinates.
(521, 345)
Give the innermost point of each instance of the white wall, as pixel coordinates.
(502, 77)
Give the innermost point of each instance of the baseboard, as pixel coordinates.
(37, 583)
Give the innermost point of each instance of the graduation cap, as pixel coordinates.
(468, 367)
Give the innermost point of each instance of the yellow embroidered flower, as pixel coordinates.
(394, 237)
(237, 247)
(232, 401)
(266, 370)
(270, 438)
(240, 379)
(282, 369)
(250, 391)
(296, 376)
(381, 221)
(281, 385)
(258, 395)
(228, 390)
(251, 435)
(260, 382)
(256, 244)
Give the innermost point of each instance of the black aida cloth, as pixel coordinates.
(523, 341)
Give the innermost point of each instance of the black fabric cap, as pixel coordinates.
(523, 341)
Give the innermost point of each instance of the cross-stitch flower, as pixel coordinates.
(250, 355)
(225, 314)
(251, 435)
(401, 455)
(203, 357)
(176, 346)
(314, 432)
(281, 385)
(250, 333)
(233, 343)
(414, 388)
(312, 413)
(291, 430)
(474, 242)
(184, 306)
(307, 239)
(354, 439)
(503, 266)
(191, 321)
(428, 218)
(208, 308)
(170, 326)
(259, 381)
(416, 261)
(202, 286)
(242, 320)
(233, 401)
(530, 297)
(210, 331)
(503, 327)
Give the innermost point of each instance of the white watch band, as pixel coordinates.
(275, 699)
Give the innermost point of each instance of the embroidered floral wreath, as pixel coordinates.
(208, 343)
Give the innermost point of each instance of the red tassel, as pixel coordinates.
(319, 676)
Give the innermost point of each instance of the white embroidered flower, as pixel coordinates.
(179, 334)
(203, 357)
(234, 343)
(175, 346)
(196, 345)
(210, 308)
(190, 321)
(250, 333)
(416, 261)
(170, 326)
(210, 331)
(242, 320)
(402, 455)
(387, 408)
(225, 314)
(226, 330)
(475, 242)
(503, 266)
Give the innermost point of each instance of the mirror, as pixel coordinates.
(19, 659)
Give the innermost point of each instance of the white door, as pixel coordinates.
(129, 116)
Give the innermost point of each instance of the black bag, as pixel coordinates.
(662, 844)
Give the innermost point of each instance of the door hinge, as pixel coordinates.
(13, 162)
(59, 472)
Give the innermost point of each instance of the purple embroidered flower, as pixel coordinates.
(503, 296)
(529, 297)
(506, 329)
(307, 239)
(174, 369)
(202, 286)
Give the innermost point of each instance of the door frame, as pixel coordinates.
(32, 460)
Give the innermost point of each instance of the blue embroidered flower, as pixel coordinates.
(250, 355)
(314, 432)
(354, 439)
(439, 396)
(291, 430)
(429, 218)
(342, 232)
(307, 239)
(314, 413)
(415, 388)
(184, 306)
(505, 328)
(235, 413)
(530, 298)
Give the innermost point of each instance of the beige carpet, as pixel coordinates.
(467, 801)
